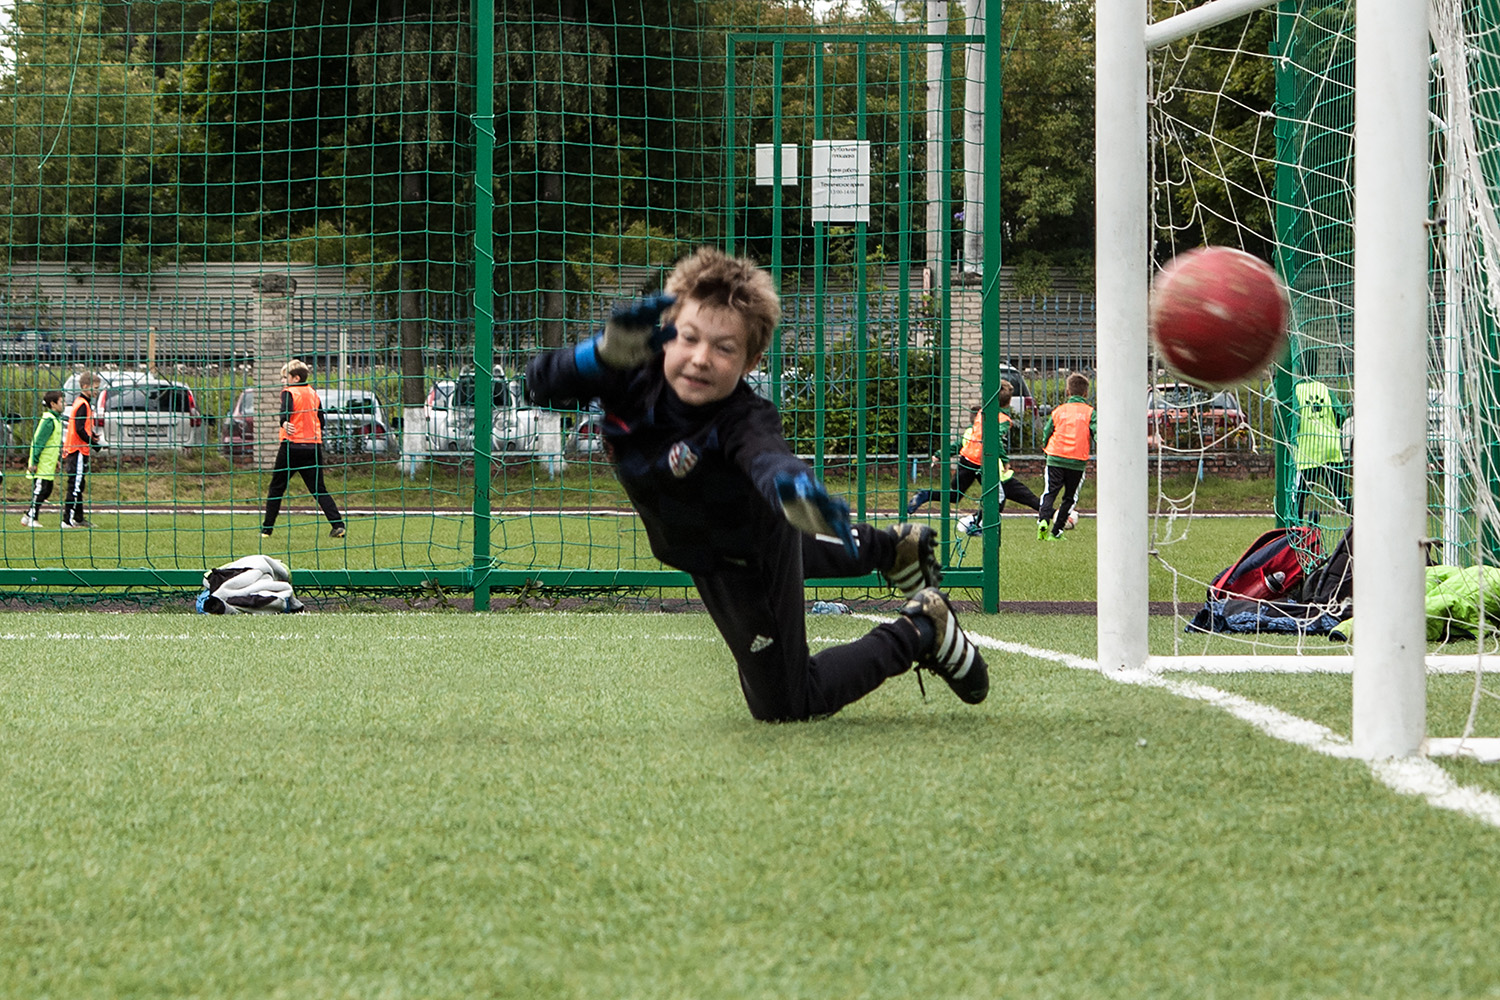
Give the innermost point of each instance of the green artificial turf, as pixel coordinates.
(578, 805)
(1030, 570)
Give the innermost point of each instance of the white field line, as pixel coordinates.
(294, 509)
(1405, 775)
(1315, 663)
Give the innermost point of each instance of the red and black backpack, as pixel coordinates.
(1272, 568)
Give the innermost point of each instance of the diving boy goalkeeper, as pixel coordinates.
(723, 498)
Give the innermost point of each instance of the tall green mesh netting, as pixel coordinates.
(412, 197)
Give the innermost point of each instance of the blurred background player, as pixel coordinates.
(722, 497)
(80, 435)
(301, 449)
(1069, 434)
(1317, 421)
(41, 460)
(966, 470)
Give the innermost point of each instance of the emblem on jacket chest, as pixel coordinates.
(681, 459)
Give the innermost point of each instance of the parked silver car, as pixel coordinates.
(587, 434)
(138, 413)
(448, 416)
(354, 423)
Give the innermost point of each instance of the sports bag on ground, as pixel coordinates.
(1271, 569)
(256, 585)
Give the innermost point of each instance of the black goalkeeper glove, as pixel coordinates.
(634, 333)
(810, 509)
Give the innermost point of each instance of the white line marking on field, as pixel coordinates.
(1405, 775)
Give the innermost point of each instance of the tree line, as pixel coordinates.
(148, 133)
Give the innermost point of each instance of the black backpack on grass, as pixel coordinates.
(1331, 584)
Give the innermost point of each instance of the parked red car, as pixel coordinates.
(1179, 415)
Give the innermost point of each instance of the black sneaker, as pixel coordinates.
(916, 565)
(953, 655)
(337, 531)
(265, 532)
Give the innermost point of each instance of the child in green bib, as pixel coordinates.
(41, 460)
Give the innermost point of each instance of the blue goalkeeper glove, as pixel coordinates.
(810, 509)
(633, 332)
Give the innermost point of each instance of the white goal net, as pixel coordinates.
(1250, 138)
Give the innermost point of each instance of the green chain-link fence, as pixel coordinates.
(412, 198)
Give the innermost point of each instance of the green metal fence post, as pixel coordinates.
(729, 147)
(903, 302)
(778, 56)
(820, 287)
(1287, 262)
(989, 379)
(862, 308)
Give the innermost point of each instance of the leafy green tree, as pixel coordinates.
(82, 144)
(886, 423)
(1046, 132)
(407, 147)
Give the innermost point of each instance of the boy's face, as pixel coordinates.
(56, 406)
(709, 355)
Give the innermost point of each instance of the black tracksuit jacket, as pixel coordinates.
(702, 479)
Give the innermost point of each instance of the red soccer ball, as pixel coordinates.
(1218, 315)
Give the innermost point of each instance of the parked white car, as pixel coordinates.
(448, 416)
(138, 413)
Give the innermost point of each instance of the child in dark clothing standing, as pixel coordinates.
(722, 497)
(80, 436)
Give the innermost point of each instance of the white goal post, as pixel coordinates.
(1390, 327)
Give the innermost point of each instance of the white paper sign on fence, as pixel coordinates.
(765, 166)
(841, 180)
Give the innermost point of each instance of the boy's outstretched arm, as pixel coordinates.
(810, 509)
(568, 375)
(757, 446)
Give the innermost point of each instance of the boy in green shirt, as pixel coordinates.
(41, 460)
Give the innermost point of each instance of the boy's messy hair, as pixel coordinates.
(52, 396)
(1078, 384)
(1004, 394)
(296, 370)
(716, 279)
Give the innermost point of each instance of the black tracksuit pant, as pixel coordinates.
(1062, 483)
(759, 610)
(307, 461)
(75, 467)
(41, 489)
(1020, 493)
(965, 474)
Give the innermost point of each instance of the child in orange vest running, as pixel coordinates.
(1070, 439)
(966, 470)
